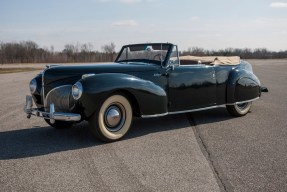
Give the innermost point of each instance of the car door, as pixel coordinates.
(191, 87)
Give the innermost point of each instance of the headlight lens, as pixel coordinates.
(77, 90)
(33, 86)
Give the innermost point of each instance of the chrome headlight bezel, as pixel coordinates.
(33, 86)
(77, 90)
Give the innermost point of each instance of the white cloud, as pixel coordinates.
(127, 1)
(130, 1)
(218, 35)
(278, 5)
(104, 1)
(150, 1)
(194, 18)
(126, 23)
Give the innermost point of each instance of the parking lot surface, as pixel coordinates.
(202, 151)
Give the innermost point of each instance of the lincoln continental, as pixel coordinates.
(146, 80)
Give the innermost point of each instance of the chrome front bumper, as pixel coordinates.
(52, 115)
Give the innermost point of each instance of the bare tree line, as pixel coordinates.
(246, 53)
(30, 52)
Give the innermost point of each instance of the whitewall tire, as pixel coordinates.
(113, 120)
(239, 110)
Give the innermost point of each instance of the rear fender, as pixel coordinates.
(242, 85)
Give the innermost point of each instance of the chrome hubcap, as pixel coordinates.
(114, 117)
(242, 106)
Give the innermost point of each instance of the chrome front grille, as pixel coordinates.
(61, 97)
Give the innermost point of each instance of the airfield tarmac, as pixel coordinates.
(202, 151)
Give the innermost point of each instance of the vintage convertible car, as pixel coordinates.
(146, 80)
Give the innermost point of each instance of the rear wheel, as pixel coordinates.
(239, 110)
(113, 120)
(59, 124)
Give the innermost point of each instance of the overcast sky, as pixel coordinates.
(210, 24)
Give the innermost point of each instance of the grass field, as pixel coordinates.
(16, 70)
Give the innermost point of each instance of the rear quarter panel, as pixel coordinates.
(243, 84)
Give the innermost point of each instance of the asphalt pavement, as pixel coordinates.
(160, 154)
(202, 151)
(250, 153)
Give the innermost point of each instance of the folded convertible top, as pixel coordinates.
(212, 60)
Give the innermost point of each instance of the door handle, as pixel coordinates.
(160, 74)
(157, 75)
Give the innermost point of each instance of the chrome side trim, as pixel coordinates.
(88, 75)
(179, 112)
(194, 110)
(52, 65)
(240, 102)
(156, 115)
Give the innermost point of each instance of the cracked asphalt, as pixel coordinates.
(202, 151)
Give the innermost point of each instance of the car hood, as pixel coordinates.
(65, 75)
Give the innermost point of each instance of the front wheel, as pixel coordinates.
(113, 120)
(239, 110)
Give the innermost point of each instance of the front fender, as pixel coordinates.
(242, 85)
(151, 98)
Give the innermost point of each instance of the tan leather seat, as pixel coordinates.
(209, 60)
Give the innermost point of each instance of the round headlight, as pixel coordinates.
(33, 86)
(77, 90)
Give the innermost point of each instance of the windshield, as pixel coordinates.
(148, 53)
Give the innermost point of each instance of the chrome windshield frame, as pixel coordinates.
(162, 63)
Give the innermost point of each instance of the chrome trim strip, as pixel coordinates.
(179, 112)
(194, 110)
(52, 65)
(178, 55)
(156, 115)
(43, 85)
(240, 102)
(88, 75)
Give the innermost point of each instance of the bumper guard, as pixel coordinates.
(52, 115)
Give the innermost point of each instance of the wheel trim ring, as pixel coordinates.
(122, 114)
